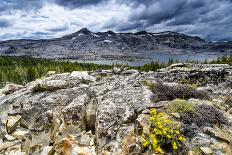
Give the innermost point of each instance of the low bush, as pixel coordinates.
(181, 106)
(164, 92)
(205, 115)
(162, 134)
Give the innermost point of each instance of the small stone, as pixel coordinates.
(223, 147)
(50, 73)
(176, 115)
(129, 72)
(177, 65)
(206, 150)
(52, 85)
(82, 75)
(9, 137)
(19, 134)
(12, 123)
(6, 145)
(11, 88)
(190, 152)
(218, 133)
(230, 111)
(116, 70)
(46, 150)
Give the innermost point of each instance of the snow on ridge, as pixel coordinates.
(107, 41)
(80, 34)
(95, 35)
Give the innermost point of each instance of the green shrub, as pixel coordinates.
(181, 106)
(206, 115)
(184, 81)
(164, 92)
(162, 134)
(148, 84)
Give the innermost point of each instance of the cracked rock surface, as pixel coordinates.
(100, 112)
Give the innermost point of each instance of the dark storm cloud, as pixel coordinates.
(210, 19)
(181, 11)
(9, 5)
(76, 3)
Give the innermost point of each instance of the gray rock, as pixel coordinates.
(206, 150)
(82, 75)
(11, 88)
(52, 85)
(103, 116)
(12, 123)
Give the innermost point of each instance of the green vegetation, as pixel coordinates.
(171, 92)
(222, 60)
(162, 134)
(181, 106)
(21, 70)
(153, 66)
(205, 115)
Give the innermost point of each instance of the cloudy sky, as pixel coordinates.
(35, 19)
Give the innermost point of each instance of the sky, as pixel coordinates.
(43, 19)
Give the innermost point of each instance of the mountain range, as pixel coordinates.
(87, 45)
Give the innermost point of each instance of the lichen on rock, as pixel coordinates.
(80, 113)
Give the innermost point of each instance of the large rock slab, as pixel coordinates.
(101, 112)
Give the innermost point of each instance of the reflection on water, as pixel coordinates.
(161, 57)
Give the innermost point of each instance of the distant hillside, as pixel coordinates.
(87, 45)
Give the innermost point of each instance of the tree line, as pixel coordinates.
(21, 70)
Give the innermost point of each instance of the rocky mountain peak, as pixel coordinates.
(83, 43)
(111, 32)
(84, 31)
(141, 33)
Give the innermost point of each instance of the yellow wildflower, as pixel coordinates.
(152, 119)
(180, 138)
(174, 147)
(183, 140)
(158, 149)
(145, 144)
(161, 114)
(166, 121)
(153, 112)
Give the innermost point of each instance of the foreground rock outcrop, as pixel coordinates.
(105, 112)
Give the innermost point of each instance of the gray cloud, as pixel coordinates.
(5, 23)
(76, 3)
(9, 5)
(210, 19)
(58, 28)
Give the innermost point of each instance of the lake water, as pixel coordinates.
(162, 57)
